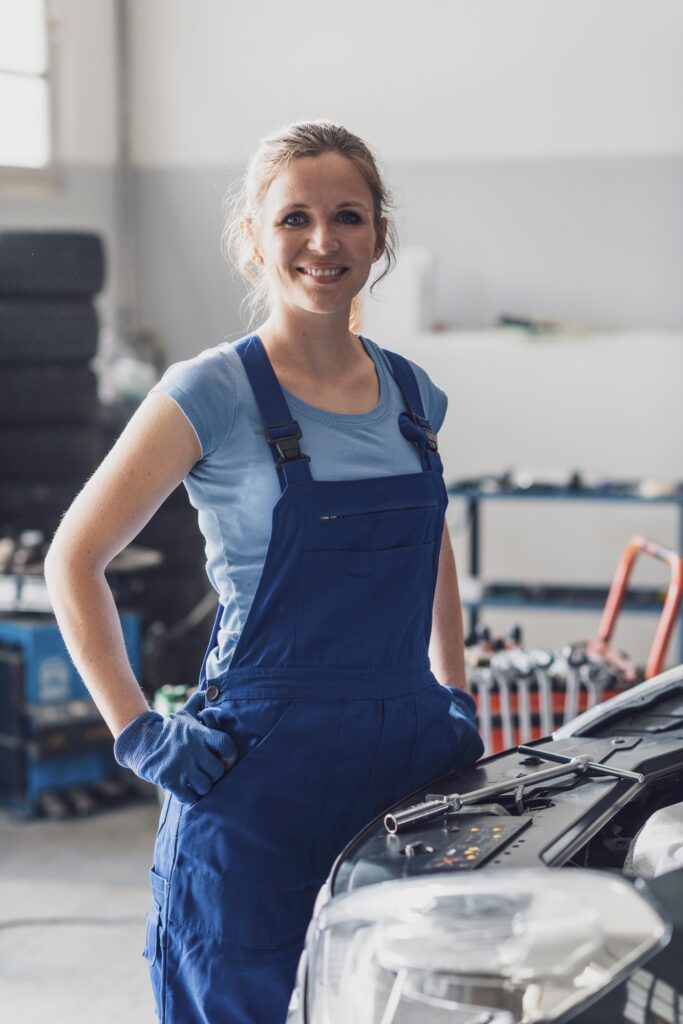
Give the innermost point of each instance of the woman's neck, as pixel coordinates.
(318, 348)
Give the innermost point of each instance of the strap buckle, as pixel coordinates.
(426, 428)
(286, 445)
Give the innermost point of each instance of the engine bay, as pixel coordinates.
(629, 763)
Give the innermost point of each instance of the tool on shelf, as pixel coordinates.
(476, 492)
(524, 694)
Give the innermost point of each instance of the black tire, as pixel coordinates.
(29, 453)
(31, 506)
(174, 531)
(177, 662)
(161, 594)
(53, 332)
(23, 501)
(35, 394)
(49, 263)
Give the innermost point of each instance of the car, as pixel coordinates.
(508, 892)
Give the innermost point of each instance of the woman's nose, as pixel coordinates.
(323, 238)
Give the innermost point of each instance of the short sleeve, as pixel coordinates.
(204, 389)
(435, 400)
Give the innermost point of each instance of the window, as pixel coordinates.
(25, 100)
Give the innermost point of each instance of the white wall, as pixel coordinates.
(438, 80)
(86, 84)
(605, 404)
(88, 193)
(486, 108)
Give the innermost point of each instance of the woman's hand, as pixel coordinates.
(178, 753)
(462, 703)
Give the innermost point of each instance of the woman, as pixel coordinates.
(310, 455)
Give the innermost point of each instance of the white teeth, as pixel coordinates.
(324, 273)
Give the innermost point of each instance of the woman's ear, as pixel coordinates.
(249, 236)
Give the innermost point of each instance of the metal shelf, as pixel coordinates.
(594, 597)
(562, 494)
(558, 605)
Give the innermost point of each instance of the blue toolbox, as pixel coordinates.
(55, 749)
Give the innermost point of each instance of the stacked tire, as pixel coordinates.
(49, 433)
(54, 431)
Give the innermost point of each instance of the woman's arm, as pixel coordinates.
(155, 451)
(447, 644)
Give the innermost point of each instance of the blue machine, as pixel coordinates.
(52, 737)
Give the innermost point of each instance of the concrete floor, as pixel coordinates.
(93, 867)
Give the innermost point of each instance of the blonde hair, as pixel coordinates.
(244, 197)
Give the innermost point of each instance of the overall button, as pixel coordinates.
(212, 692)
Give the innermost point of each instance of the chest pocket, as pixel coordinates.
(361, 608)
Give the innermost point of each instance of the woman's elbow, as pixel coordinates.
(53, 562)
(67, 556)
(56, 564)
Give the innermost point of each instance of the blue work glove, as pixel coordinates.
(463, 712)
(462, 703)
(178, 753)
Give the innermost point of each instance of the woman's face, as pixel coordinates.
(317, 215)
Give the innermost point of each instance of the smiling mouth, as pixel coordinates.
(319, 274)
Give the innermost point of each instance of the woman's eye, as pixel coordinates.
(354, 218)
(351, 213)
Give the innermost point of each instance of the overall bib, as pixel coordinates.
(330, 701)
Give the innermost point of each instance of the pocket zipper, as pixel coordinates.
(378, 512)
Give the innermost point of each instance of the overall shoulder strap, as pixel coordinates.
(282, 431)
(413, 423)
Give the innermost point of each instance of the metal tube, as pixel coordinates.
(574, 659)
(594, 766)
(524, 670)
(482, 682)
(596, 678)
(437, 806)
(575, 764)
(524, 708)
(542, 661)
(672, 604)
(503, 673)
(418, 812)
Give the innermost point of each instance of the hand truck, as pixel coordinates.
(523, 695)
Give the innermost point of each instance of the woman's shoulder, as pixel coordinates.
(204, 387)
(204, 366)
(434, 400)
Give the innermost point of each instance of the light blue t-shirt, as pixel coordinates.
(235, 485)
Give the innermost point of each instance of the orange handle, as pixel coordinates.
(617, 592)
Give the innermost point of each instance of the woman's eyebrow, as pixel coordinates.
(304, 206)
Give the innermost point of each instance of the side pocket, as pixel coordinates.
(154, 939)
(151, 950)
(249, 721)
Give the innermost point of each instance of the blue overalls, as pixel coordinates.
(333, 709)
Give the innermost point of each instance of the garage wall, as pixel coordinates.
(536, 147)
(87, 192)
(598, 241)
(604, 404)
(467, 79)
